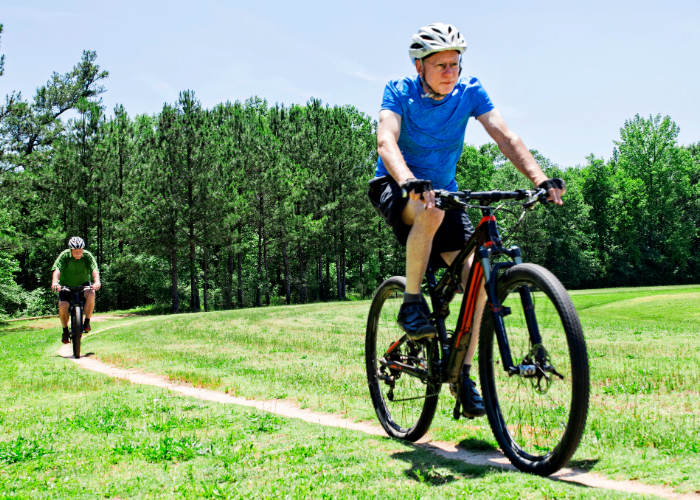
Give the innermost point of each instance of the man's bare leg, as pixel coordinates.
(472, 403)
(89, 303)
(63, 313)
(448, 257)
(89, 307)
(424, 224)
(63, 316)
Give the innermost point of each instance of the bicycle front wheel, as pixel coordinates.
(405, 404)
(76, 325)
(538, 420)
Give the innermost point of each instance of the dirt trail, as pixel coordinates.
(288, 409)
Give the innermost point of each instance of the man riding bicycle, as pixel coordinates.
(422, 123)
(73, 268)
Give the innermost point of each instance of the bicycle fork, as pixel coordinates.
(528, 367)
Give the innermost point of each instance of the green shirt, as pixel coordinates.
(75, 272)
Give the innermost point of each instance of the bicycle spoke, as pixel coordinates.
(404, 403)
(533, 417)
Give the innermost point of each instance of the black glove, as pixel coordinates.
(418, 186)
(555, 183)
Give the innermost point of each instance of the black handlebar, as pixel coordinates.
(519, 194)
(76, 288)
(488, 197)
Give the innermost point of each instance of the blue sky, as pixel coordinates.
(565, 75)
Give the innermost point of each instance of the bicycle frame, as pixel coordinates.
(75, 299)
(485, 243)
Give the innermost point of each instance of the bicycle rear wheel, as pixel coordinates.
(405, 405)
(76, 325)
(538, 423)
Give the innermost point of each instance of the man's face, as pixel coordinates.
(441, 71)
(77, 253)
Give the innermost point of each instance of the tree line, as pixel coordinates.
(250, 204)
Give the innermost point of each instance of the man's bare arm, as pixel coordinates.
(54, 280)
(513, 148)
(388, 148)
(96, 284)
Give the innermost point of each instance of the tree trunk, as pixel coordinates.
(120, 280)
(240, 268)
(173, 276)
(343, 261)
(267, 275)
(229, 278)
(258, 279)
(320, 277)
(194, 289)
(362, 275)
(206, 276)
(302, 289)
(337, 266)
(288, 292)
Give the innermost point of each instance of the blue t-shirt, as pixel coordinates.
(432, 132)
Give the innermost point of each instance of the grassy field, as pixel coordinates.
(70, 432)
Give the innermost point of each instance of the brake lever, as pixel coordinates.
(446, 202)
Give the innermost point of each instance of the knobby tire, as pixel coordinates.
(76, 326)
(410, 418)
(538, 431)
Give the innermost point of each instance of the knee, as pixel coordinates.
(430, 219)
(62, 306)
(89, 295)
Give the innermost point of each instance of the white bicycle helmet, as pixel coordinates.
(436, 37)
(76, 242)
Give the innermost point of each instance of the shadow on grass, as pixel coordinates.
(430, 469)
(472, 444)
(86, 355)
(586, 464)
(424, 469)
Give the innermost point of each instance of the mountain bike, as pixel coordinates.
(533, 363)
(76, 308)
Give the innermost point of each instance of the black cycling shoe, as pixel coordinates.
(65, 337)
(413, 321)
(472, 403)
(86, 325)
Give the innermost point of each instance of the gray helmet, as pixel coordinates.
(76, 242)
(436, 37)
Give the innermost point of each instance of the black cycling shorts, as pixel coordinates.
(455, 230)
(65, 296)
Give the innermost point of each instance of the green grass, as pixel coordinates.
(644, 348)
(69, 432)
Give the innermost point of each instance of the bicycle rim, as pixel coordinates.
(539, 422)
(405, 405)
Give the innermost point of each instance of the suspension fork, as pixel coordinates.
(532, 326)
(497, 309)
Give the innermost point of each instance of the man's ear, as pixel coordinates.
(419, 66)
